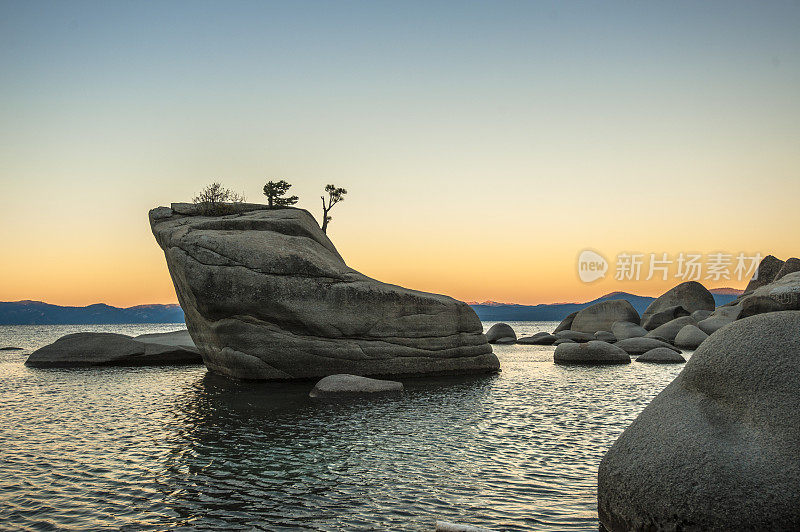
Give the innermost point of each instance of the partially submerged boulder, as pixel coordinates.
(718, 448)
(661, 355)
(623, 330)
(540, 338)
(566, 323)
(602, 315)
(594, 352)
(670, 330)
(666, 315)
(111, 349)
(344, 386)
(501, 333)
(690, 295)
(637, 346)
(690, 337)
(267, 296)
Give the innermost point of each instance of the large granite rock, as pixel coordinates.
(623, 330)
(690, 337)
(110, 349)
(575, 336)
(602, 315)
(566, 323)
(785, 291)
(345, 386)
(767, 269)
(719, 447)
(501, 333)
(720, 318)
(267, 296)
(670, 330)
(790, 266)
(690, 295)
(590, 353)
(666, 315)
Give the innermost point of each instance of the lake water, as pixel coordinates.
(175, 447)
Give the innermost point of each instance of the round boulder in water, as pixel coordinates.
(594, 352)
(661, 355)
(501, 333)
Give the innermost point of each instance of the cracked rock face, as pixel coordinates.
(267, 296)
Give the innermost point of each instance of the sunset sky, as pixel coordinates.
(484, 144)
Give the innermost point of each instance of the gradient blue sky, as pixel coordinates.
(485, 144)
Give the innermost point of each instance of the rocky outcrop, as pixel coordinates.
(501, 333)
(602, 315)
(623, 330)
(666, 315)
(790, 266)
(785, 291)
(661, 355)
(267, 296)
(690, 337)
(540, 338)
(767, 269)
(594, 353)
(110, 349)
(718, 448)
(690, 295)
(344, 386)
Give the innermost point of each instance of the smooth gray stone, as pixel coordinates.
(181, 337)
(540, 338)
(344, 385)
(767, 269)
(575, 336)
(665, 316)
(700, 315)
(501, 333)
(267, 296)
(566, 323)
(601, 316)
(690, 295)
(564, 341)
(623, 330)
(110, 349)
(690, 337)
(594, 352)
(637, 346)
(605, 336)
(720, 318)
(718, 448)
(661, 355)
(670, 330)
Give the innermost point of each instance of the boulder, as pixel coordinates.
(665, 316)
(669, 330)
(786, 291)
(623, 330)
(267, 296)
(690, 295)
(768, 268)
(564, 341)
(594, 352)
(575, 336)
(602, 315)
(541, 338)
(605, 336)
(501, 333)
(110, 349)
(753, 304)
(637, 346)
(690, 337)
(720, 318)
(173, 338)
(566, 323)
(790, 266)
(717, 449)
(661, 355)
(343, 386)
(699, 315)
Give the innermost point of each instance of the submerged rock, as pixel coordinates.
(690, 337)
(540, 338)
(267, 296)
(501, 333)
(637, 346)
(601, 316)
(718, 448)
(343, 385)
(623, 330)
(110, 349)
(661, 355)
(594, 352)
(690, 295)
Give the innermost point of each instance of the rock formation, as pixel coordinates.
(594, 352)
(602, 315)
(501, 333)
(690, 295)
(267, 296)
(661, 355)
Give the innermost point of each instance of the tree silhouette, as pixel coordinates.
(274, 190)
(213, 198)
(335, 195)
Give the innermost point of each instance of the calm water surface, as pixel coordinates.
(176, 447)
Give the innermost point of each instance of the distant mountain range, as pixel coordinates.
(39, 313)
